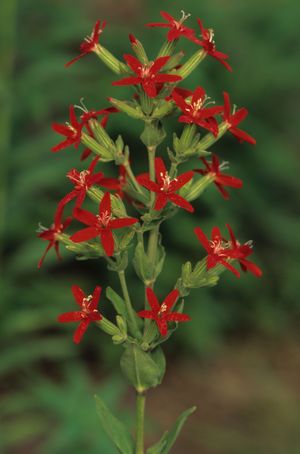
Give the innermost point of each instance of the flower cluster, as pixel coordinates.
(130, 208)
(155, 195)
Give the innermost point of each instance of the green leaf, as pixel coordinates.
(114, 428)
(117, 302)
(140, 369)
(159, 358)
(168, 439)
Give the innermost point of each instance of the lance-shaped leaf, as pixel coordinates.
(114, 428)
(168, 439)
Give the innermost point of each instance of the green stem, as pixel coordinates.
(140, 417)
(132, 177)
(129, 308)
(151, 160)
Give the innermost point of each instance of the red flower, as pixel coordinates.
(90, 42)
(220, 179)
(240, 252)
(195, 111)
(82, 182)
(209, 45)
(234, 119)
(165, 188)
(217, 248)
(72, 131)
(50, 235)
(177, 28)
(161, 314)
(100, 225)
(147, 75)
(87, 314)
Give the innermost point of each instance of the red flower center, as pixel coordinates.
(104, 219)
(79, 178)
(163, 309)
(166, 181)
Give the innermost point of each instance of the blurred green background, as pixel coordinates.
(239, 359)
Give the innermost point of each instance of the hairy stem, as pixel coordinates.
(132, 177)
(129, 308)
(140, 417)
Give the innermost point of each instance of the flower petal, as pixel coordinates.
(79, 332)
(84, 235)
(70, 317)
(152, 300)
(78, 294)
(107, 241)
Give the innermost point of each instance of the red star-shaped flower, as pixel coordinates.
(162, 314)
(100, 225)
(72, 131)
(90, 42)
(165, 188)
(194, 111)
(147, 75)
(50, 235)
(87, 314)
(208, 44)
(220, 179)
(82, 181)
(177, 28)
(217, 248)
(234, 119)
(240, 252)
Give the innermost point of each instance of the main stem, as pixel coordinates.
(140, 418)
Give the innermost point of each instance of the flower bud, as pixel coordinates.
(138, 49)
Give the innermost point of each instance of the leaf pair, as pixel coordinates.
(122, 439)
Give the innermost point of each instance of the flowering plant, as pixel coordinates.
(155, 196)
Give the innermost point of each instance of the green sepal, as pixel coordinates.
(131, 108)
(114, 428)
(139, 50)
(101, 135)
(191, 64)
(108, 327)
(85, 250)
(110, 60)
(126, 240)
(198, 277)
(117, 206)
(174, 61)
(153, 134)
(142, 370)
(162, 109)
(196, 188)
(105, 154)
(209, 139)
(167, 48)
(168, 439)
